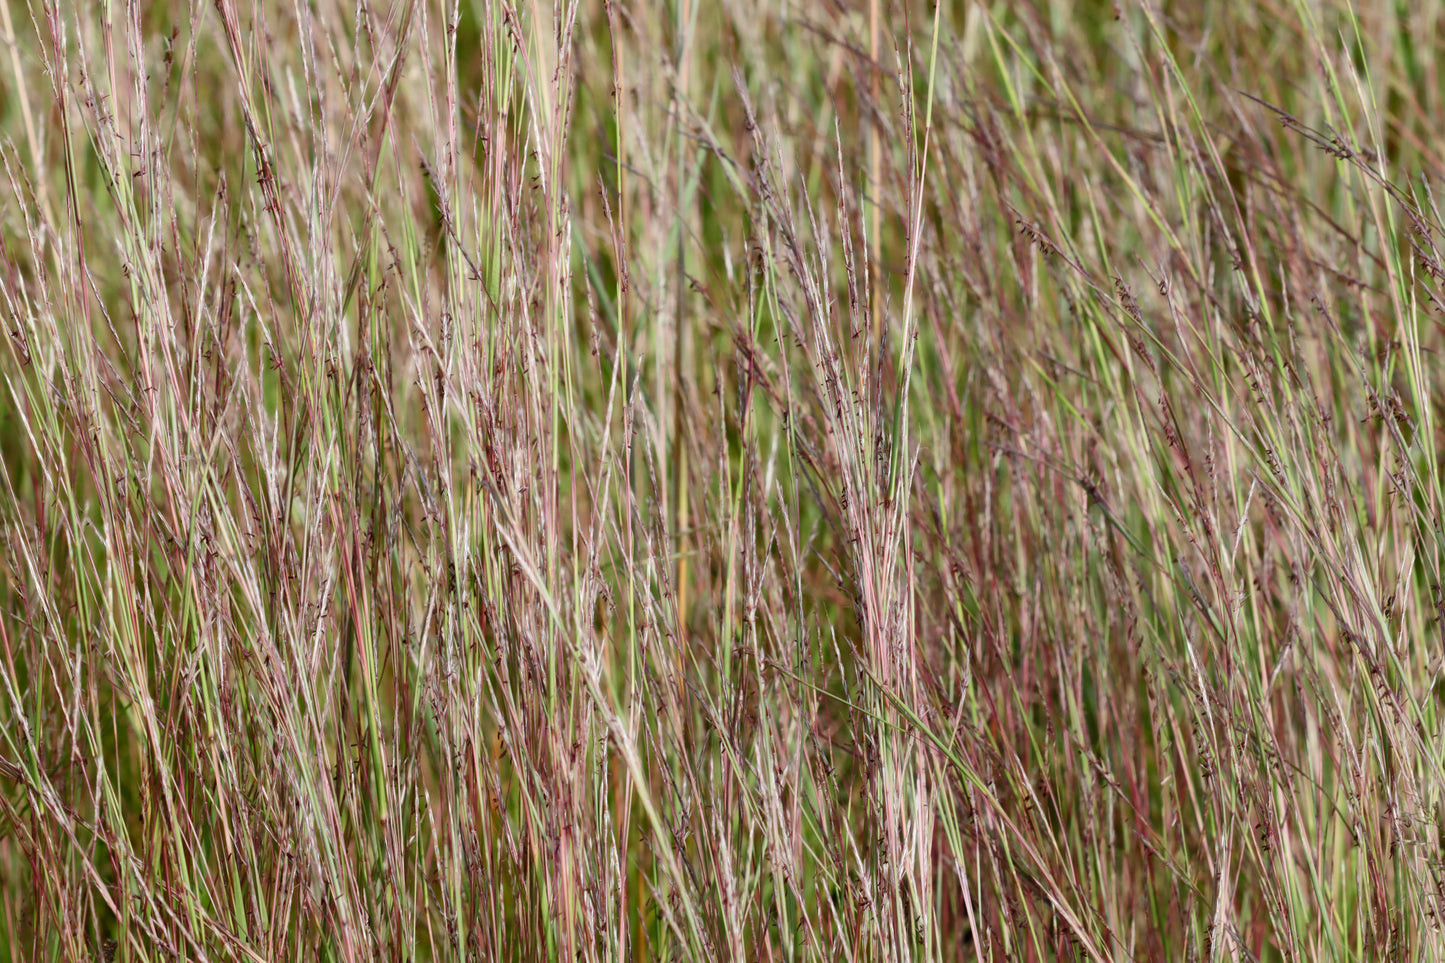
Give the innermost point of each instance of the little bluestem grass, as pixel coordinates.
(744, 480)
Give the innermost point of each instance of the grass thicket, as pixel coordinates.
(721, 479)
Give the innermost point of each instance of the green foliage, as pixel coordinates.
(733, 480)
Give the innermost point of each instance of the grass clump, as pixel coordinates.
(620, 480)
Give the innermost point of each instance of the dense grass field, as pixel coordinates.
(625, 480)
